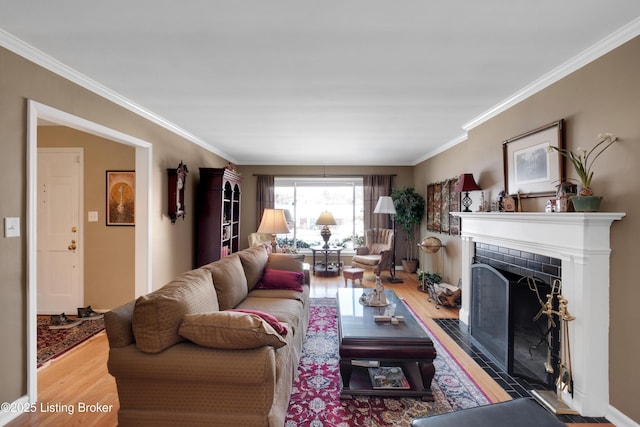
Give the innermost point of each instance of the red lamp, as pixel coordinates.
(466, 183)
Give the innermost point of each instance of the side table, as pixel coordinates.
(322, 267)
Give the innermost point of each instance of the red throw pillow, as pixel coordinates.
(270, 319)
(281, 279)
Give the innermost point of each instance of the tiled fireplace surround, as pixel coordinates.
(581, 242)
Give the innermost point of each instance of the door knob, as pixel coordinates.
(72, 246)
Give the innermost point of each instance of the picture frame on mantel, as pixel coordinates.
(530, 168)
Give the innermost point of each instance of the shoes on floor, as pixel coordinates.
(61, 321)
(87, 313)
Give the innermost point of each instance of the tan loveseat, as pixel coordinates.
(241, 373)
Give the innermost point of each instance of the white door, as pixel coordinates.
(59, 230)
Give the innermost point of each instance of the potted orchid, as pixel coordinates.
(582, 161)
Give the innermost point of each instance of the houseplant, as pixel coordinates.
(409, 212)
(582, 161)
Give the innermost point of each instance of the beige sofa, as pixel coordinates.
(235, 368)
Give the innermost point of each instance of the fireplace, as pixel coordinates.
(507, 323)
(581, 242)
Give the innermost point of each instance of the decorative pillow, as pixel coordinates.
(270, 319)
(157, 316)
(281, 279)
(229, 330)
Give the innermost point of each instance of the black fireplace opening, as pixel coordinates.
(507, 323)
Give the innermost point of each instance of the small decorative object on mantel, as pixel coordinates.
(177, 181)
(582, 161)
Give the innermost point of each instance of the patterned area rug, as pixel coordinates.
(55, 342)
(315, 397)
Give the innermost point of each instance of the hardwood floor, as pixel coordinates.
(80, 377)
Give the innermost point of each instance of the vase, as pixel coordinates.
(586, 203)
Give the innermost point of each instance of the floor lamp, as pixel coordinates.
(385, 206)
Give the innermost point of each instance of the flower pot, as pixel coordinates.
(410, 265)
(586, 203)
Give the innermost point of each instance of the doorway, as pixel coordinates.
(39, 112)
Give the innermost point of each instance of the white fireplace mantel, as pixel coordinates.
(581, 242)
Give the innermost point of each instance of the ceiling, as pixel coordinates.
(358, 82)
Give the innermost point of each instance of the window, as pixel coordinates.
(306, 198)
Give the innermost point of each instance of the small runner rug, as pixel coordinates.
(315, 399)
(55, 342)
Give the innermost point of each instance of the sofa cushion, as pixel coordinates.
(367, 259)
(253, 262)
(281, 279)
(285, 262)
(229, 330)
(282, 293)
(271, 320)
(285, 310)
(229, 281)
(157, 316)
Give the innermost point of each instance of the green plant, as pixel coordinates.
(409, 212)
(429, 278)
(583, 160)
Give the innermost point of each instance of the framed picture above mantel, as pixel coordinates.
(530, 168)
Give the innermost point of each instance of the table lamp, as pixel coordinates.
(325, 219)
(466, 183)
(385, 206)
(273, 222)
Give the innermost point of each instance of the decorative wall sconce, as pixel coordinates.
(177, 181)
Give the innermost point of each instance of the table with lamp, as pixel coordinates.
(323, 267)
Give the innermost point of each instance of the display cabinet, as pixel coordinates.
(217, 214)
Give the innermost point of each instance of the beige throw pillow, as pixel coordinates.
(229, 330)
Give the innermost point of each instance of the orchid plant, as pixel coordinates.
(583, 160)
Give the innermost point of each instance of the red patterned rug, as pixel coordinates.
(315, 397)
(55, 342)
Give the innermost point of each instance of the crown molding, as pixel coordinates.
(25, 50)
(455, 141)
(604, 46)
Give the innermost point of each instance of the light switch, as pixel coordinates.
(92, 216)
(11, 227)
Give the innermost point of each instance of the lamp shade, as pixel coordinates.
(466, 183)
(273, 222)
(385, 206)
(326, 218)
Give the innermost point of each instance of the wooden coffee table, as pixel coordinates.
(361, 338)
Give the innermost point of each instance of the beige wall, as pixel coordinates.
(602, 97)
(172, 244)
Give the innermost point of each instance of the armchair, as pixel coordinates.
(260, 239)
(377, 254)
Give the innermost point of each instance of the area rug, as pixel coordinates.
(315, 399)
(54, 342)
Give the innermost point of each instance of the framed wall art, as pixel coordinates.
(441, 201)
(121, 195)
(530, 168)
